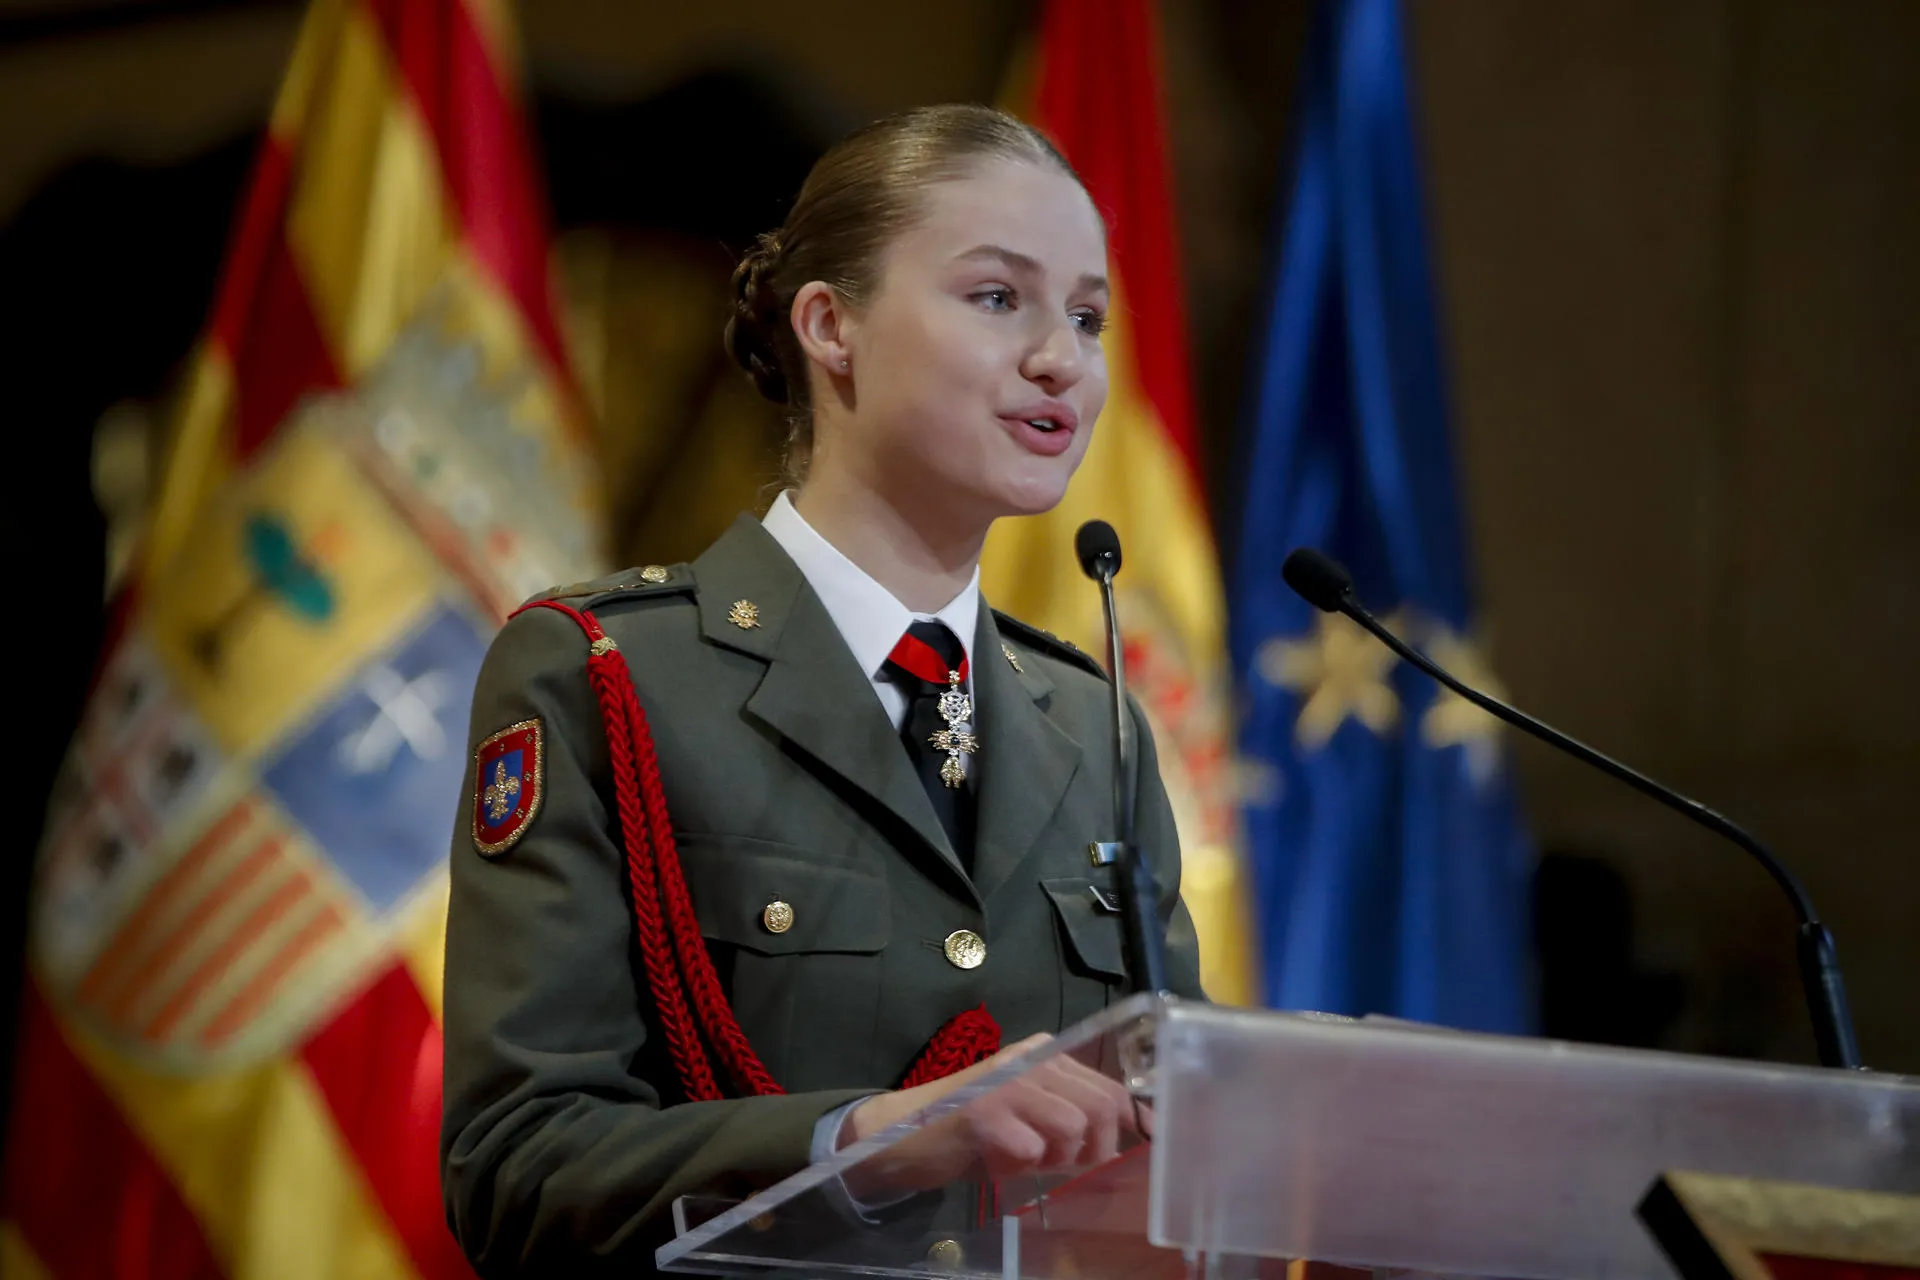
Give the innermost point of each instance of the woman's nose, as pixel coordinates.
(1056, 361)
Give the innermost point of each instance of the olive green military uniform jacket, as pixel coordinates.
(565, 1140)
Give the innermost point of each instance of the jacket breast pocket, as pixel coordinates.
(1094, 968)
(797, 943)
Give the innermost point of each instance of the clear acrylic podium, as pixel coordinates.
(1279, 1136)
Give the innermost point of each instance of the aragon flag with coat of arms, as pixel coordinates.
(229, 1060)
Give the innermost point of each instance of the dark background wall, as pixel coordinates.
(1679, 247)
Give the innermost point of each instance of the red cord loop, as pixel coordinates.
(699, 1024)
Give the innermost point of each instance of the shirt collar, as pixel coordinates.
(868, 616)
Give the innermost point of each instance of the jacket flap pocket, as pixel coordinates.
(739, 885)
(1093, 934)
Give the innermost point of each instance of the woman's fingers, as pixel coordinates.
(886, 1109)
(1105, 1105)
(1059, 1115)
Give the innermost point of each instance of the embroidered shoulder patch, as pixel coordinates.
(509, 776)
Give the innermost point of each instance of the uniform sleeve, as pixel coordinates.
(556, 1158)
(1159, 840)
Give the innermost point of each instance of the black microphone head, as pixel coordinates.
(1319, 579)
(1098, 547)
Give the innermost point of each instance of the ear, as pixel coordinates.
(824, 325)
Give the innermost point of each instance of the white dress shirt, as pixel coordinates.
(868, 616)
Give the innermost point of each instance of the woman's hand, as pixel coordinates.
(1059, 1116)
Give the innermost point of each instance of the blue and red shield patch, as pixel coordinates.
(509, 775)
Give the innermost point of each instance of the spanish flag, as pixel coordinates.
(1095, 91)
(230, 1051)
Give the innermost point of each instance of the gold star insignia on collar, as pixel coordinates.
(745, 615)
(1013, 659)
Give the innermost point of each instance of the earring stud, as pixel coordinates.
(844, 365)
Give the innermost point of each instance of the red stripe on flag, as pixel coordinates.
(213, 966)
(280, 353)
(485, 153)
(80, 1184)
(1100, 100)
(130, 954)
(377, 1063)
(262, 986)
(262, 315)
(261, 211)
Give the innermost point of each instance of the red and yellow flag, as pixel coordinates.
(1096, 93)
(230, 1052)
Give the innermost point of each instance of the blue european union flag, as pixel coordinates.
(1388, 851)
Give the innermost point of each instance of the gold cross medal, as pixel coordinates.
(956, 708)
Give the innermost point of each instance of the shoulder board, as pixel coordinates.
(1047, 643)
(647, 580)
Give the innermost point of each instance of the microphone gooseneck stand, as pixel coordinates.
(1098, 547)
(1325, 584)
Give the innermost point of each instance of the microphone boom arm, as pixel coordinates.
(1819, 962)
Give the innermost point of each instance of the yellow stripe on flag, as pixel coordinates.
(368, 222)
(198, 460)
(199, 448)
(17, 1260)
(313, 54)
(255, 1154)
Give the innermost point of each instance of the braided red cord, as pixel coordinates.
(967, 1038)
(607, 674)
(680, 972)
(696, 963)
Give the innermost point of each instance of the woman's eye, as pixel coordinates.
(1091, 322)
(995, 299)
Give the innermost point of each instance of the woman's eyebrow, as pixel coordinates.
(1025, 263)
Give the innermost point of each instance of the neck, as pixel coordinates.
(921, 564)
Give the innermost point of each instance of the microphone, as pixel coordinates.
(1098, 547)
(1326, 585)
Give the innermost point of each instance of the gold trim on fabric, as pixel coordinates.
(493, 849)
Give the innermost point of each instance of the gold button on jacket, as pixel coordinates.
(965, 949)
(566, 1140)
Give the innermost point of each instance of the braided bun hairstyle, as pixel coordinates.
(756, 319)
(861, 194)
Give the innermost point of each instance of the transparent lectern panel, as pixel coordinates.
(1264, 1137)
(1402, 1146)
(920, 1198)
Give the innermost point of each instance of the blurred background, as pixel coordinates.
(1676, 251)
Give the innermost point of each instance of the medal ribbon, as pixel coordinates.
(917, 656)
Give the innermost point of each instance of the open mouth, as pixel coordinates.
(1047, 434)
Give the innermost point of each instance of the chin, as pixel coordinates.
(1035, 491)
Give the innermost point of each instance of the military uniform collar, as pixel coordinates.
(815, 695)
(870, 619)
